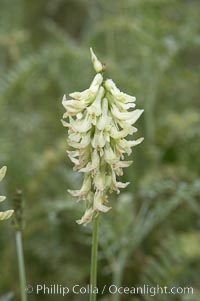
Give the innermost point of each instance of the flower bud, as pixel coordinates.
(98, 67)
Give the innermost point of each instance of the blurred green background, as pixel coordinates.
(151, 49)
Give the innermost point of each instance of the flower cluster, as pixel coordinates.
(98, 121)
(6, 214)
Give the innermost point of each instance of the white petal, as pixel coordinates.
(97, 81)
(82, 125)
(124, 146)
(116, 185)
(76, 137)
(117, 94)
(136, 115)
(64, 123)
(74, 154)
(135, 142)
(89, 94)
(122, 164)
(79, 115)
(132, 116)
(85, 189)
(109, 155)
(99, 139)
(84, 157)
(93, 164)
(6, 214)
(110, 86)
(2, 198)
(86, 94)
(87, 217)
(125, 106)
(2, 172)
(122, 185)
(101, 207)
(114, 133)
(74, 160)
(72, 105)
(95, 107)
(85, 141)
(99, 181)
(104, 121)
(99, 199)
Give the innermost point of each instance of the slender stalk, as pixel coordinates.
(20, 257)
(93, 271)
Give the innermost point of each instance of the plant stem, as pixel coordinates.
(93, 271)
(20, 257)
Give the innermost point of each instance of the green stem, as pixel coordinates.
(93, 271)
(20, 257)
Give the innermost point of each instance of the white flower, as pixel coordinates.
(99, 200)
(98, 120)
(84, 142)
(72, 106)
(89, 94)
(117, 167)
(6, 214)
(100, 180)
(100, 138)
(93, 164)
(117, 94)
(87, 217)
(117, 134)
(109, 154)
(85, 189)
(124, 146)
(132, 116)
(81, 125)
(95, 109)
(104, 120)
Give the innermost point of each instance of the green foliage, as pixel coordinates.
(151, 50)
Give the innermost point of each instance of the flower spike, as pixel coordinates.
(98, 120)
